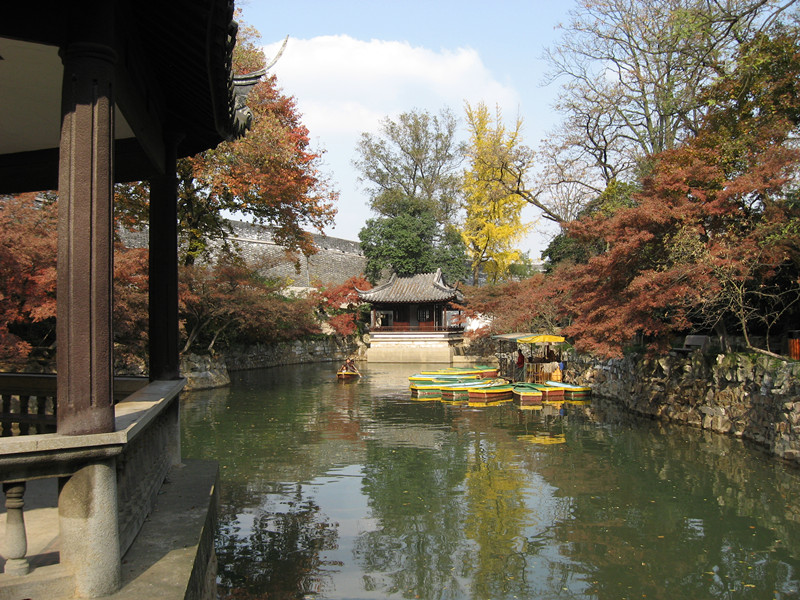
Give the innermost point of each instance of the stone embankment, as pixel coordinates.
(203, 371)
(751, 396)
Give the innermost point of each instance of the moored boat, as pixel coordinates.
(483, 371)
(459, 392)
(426, 389)
(490, 393)
(571, 391)
(455, 377)
(526, 394)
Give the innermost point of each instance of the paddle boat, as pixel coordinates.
(526, 394)
(483, 371)
(455, 377)
(426, 389)
(481, 396)
(429, 388)
(571, 391)
(459, 392)
(550, 393)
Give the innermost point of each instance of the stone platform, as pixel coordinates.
(172, 558)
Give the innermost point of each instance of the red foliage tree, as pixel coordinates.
(131, 283)
(520, 306)
(715, 225)
(339, 304)
(229, 301)
(27, 276)
(270, 175)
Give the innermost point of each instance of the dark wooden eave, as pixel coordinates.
(173, 80)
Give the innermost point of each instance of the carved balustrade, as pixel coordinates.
(120, 471)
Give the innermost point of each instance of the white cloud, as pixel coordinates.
(344, 85)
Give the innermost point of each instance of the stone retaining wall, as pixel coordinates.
(747, 395)
(202, 371)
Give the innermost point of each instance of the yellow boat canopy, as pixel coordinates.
(540, 339)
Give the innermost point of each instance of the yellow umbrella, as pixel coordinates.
(541, 339)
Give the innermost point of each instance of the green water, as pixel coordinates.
(355, 490)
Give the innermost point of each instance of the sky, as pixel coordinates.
(352, 63)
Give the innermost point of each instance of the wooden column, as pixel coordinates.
(163, 268)
(85, 251)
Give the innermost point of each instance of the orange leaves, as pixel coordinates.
(27, 274)
(340, 304)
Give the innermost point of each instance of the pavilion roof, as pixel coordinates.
(424, 287)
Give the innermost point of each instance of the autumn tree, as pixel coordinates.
(633, 74)
(27, 276)
(531, 304)
(229, 302)
(713, 234)
(493, 225)
(340, 306)
(270, 175)
(131, 285)
(411, 172)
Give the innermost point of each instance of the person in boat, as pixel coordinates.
(520, 365)
(349, 366)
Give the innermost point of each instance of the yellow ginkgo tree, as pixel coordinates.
(493, 225)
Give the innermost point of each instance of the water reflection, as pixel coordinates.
(354, 490)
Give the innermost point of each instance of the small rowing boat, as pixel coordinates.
(571, 392)
(347, 375)
(481, 396)
(526, 394)
(454, 377)
(484, 371)
(459, 392)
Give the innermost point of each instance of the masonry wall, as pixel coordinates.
(336, 261)
(747, 395)
(203, 371)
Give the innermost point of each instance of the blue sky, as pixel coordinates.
(351, 63)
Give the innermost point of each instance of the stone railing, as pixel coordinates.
(108, 483)
(28, 401)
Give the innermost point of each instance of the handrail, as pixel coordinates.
(124, 468)
(415, 327)
(28, 401)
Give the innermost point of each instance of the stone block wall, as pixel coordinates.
(203, 372)
(336, 261)
(751, 396)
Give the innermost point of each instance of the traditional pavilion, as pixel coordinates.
(413, 319)
(92, 93)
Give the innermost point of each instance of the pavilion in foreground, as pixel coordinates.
(92, 93)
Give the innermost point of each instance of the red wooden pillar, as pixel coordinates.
(85, 250)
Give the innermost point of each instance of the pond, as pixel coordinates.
(341, 490)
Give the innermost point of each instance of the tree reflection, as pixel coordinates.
(414, 493)
(280, 556)
(496, 521)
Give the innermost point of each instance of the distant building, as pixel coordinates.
(413, 319)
